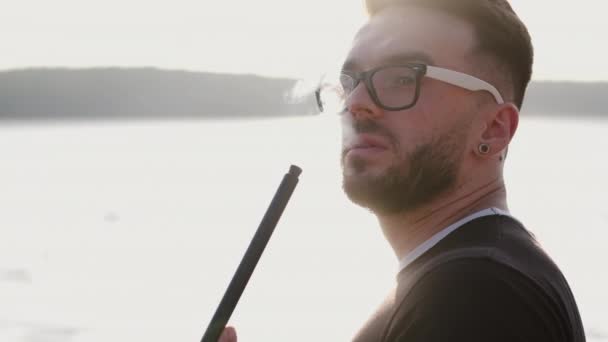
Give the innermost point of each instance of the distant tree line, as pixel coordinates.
(147, 93)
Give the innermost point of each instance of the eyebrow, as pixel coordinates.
(402, 58)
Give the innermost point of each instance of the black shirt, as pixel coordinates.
(487, 281)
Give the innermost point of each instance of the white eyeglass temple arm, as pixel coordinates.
(463, 80)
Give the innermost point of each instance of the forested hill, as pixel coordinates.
(107, 93)
(569, 99)
(147, 93)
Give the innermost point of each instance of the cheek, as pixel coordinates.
(439, 115)
(410, 128)
(439, 101)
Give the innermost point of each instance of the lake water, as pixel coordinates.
(131, 231)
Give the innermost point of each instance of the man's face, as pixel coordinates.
(395, 161)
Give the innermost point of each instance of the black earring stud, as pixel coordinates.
(484, 148)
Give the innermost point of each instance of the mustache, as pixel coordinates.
(369, 127)
(372, 127)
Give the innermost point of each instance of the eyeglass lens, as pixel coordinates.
(392, 87)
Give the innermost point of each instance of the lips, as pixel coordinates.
(366, 142)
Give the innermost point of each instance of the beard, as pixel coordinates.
(412, 180)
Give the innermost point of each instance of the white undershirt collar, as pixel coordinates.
(428, 244)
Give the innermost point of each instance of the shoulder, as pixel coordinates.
(477, 299)
(473, 278)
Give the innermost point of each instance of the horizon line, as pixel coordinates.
(220, 72)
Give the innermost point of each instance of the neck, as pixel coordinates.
(405, 231)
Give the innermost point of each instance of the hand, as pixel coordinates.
(228, 335)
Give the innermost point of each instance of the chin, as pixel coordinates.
(355, 167)
(387, 188)
(364, 191)
(364, 184)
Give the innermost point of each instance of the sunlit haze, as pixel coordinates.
(129, 230)
(267, 37)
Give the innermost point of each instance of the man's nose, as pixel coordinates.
(361, 105)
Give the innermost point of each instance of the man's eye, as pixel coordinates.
(403, 81)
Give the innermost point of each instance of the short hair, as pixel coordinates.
(500, 34)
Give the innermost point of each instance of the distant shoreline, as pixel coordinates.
(49, 94)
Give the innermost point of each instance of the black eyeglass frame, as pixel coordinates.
(366, 76)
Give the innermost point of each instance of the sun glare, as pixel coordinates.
(267, 37)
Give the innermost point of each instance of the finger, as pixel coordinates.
(228, 335)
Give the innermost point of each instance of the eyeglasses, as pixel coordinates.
(395, 87)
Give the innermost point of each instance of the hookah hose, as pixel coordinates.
(252, 256)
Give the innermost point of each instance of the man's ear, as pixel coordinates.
(500, 127)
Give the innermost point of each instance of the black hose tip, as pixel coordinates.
(295, 170)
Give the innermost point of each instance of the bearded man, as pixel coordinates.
(430, 94)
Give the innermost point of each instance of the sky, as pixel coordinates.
(267, 37)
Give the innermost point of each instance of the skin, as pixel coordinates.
(442, 110)
(228, 335)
